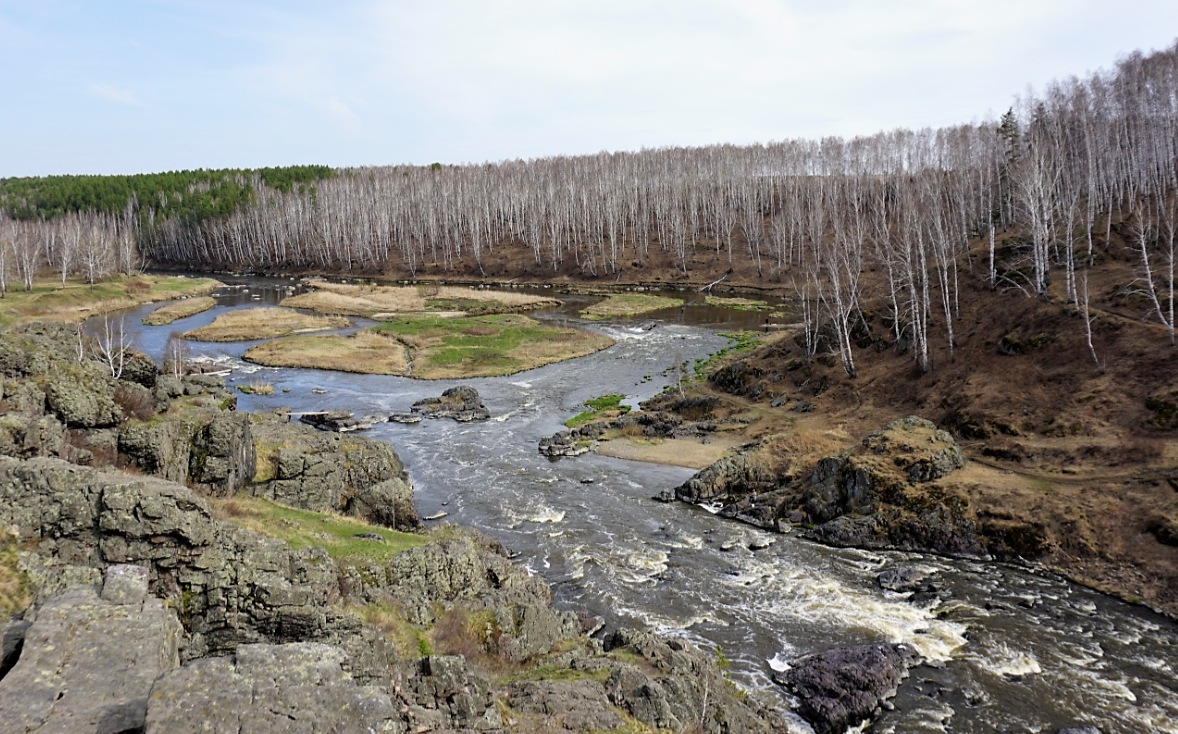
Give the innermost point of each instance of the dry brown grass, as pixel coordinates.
(15, 594)
(78, 300)
(366, 352)
(370, 300)
(248, 324)
(170, 312)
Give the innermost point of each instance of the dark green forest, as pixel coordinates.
(193, 196)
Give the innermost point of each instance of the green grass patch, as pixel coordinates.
(486, 346)
(625, 305)
(304, 529)
(602, 407)
(738, 343)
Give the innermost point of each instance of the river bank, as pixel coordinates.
(607, 548)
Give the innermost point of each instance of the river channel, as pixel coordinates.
(1009, 650)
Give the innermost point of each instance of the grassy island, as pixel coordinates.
(384, 302)
(78, 300)
(247, 324)
(438, 347)
(366, 352)
(625, 305)
(182, 309)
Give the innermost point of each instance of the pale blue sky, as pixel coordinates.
(150, 85)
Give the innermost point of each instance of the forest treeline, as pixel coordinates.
(810, 214)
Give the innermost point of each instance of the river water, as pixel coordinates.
(1009, 650)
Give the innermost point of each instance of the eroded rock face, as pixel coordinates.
(844, 687)
(88, 662)
(460, 403)
(267, 689)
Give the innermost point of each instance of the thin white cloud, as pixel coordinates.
(122, 96)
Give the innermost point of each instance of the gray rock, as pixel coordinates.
(460, 403)
(389, 503)
(88, 665)
(82, 398)
(328, 472)
(223, 457)
(339, 421)
(125, 584)
(444, 694)
(230, 586)
(139, 369)
(576, 705)
(843, 687)
(674, 695)
(1079, 730)
(267, 689)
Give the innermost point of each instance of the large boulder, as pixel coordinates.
(330, 472)
(389, 503)
(842, 688)
(88, 662)
(270, 689)
(460, 403)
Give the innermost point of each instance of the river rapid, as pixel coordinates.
(1008, 650)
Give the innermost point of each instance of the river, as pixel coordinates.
(1010, 649)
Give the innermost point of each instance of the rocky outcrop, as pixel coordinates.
(389, 503)
(445, 695)
(326, 472)
(842, 688)
(230, 586)
(888, 492)
(268, 689)
(569, 443)
(88, 662)
(460, 403)
(470, 572)
(213, 452)
(677, 687)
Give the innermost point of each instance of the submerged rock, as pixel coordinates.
(841, 688)
(460, 403)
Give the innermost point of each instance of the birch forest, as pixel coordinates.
(1027, 202)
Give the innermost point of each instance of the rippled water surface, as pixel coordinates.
(1010, 650)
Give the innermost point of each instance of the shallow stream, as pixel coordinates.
(1011, 650)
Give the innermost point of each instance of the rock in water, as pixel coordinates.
(268, 689)
(340, 421)
(460, 403)
(843, 687)
(89, 661)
